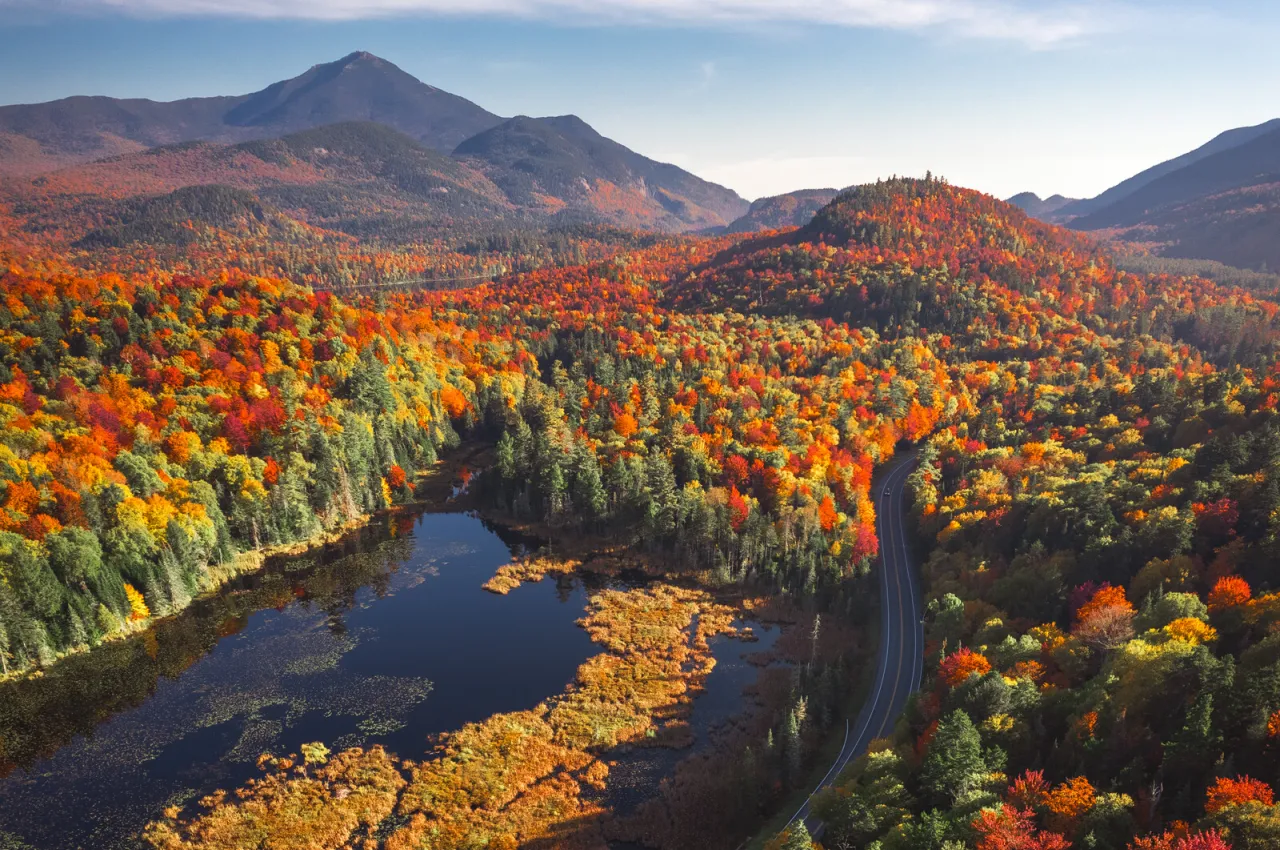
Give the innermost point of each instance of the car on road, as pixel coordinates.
(886, 492)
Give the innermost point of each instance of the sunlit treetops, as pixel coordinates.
(1096, 482)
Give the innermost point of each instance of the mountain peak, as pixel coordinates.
(351, 60)
(361, 59)
(567, 121)
(1043, 208)
(361, 87)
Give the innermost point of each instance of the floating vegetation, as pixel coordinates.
(294, 807)
(532, 569)
(526, 778)
(374, 727)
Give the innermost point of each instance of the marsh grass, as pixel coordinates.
(526, 778)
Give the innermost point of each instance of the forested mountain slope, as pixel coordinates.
(359, 178)
(1099, 539)
(911, 256)
(794, 209)
(1095, 505)
(564, 166)
(368, 180)
(383, 136)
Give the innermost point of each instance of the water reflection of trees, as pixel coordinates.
(38, 716)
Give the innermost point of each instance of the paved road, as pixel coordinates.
(901, 656)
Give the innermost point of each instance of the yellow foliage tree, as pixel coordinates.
(138, 609)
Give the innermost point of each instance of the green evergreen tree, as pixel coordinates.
(660, 490)
(556, 490)
(793, 746)
(589, 497)
(1191, 754)
(954, 762)
(505, 458)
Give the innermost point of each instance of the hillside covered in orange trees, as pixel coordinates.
(1095, 502)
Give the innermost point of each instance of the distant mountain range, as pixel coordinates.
(358, 87)
(361, 146)
(1043, 209)
(439, 157)
(794, 209)
(1219, 202)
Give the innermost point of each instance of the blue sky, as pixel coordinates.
(761, 95)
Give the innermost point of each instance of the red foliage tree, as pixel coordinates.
(1008, 828)
(1229, 592)
(1211, 840)
(1106, 620)
(1232, 792)
(957, 667)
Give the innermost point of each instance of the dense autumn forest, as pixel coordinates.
(1094, 503)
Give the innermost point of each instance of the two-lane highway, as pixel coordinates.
(901, 655)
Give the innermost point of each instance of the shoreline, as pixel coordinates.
(666, 725)
(436, 481)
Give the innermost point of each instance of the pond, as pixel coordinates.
(385, 638)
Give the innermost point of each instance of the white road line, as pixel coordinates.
(917, 630)
(870, 708)
(897, 584)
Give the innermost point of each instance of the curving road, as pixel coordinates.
(901, 656)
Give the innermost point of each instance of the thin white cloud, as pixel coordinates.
(1035, 23)
(707, 73)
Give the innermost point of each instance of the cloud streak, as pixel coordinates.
(1034, 23)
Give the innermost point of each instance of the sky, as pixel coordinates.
(763, 96)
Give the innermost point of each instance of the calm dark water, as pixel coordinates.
(636, 774)
(386, 639)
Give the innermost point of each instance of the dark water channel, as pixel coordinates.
(387, 638)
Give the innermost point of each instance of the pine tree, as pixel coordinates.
(793, 746)
(556, 490)
(589, 496)
(660, 485)
(748, 782)
(1195, 748)
(522, 440)
(954, 762)
(505, 458)
(106, 620)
